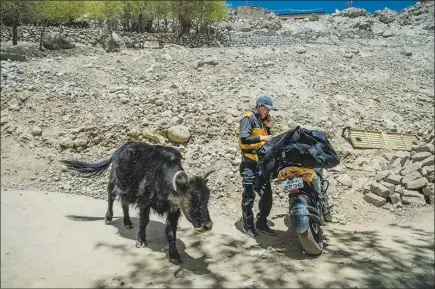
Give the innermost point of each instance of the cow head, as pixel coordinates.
(194, 196)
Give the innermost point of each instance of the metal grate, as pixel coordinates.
(380, 139)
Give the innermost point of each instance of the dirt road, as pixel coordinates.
(59, 240)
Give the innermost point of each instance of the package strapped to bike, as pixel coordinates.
(300, 147)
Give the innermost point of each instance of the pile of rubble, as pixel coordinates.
(408, 180)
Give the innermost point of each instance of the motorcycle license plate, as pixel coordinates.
(295, 183)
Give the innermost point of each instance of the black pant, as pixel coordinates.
(252, 182)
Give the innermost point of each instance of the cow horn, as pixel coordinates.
(208, 173)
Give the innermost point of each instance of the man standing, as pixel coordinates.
(254, 133)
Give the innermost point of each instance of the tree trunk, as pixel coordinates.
(109, 26)
(14, 34)
(140, 22)
(40, 38)
(166, 25)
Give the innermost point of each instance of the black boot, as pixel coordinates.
(248, 227)
(261, 225)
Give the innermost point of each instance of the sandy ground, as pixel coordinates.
(59, 240)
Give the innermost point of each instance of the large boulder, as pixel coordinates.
(242, 27)
(56, 41)
(386, 16)
(114, 43)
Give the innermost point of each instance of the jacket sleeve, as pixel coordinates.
(245, 132)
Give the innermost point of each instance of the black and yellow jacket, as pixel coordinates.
(251, 128)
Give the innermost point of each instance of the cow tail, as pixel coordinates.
(89, 169)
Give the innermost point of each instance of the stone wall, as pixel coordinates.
(90, 36)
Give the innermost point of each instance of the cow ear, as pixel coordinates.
(181, 180)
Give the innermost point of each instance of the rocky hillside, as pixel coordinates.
(83, 103)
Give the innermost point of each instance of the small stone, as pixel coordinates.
(156, 138)
(411, 194)
(374, 199)
(395, 198)
(36, 131)
(80, 142)
(178, 134)
(167, 57)
(395, 162)
(407, 53)
(66, 142)
(394, 179)
(211, 61)
(354, 50)
(198, 63)
(345, 180)
(416, 184)
(411, 168)
(414, 200)
(399, 189)
(348, 55)
(245, 27)
(391, 187)
(410, 177)
(366, 189)
(420, 156)
(380, 190)
(24, 97)
(401, 154)
(422, 148)
(429, 169)
(430, 161)
(387, 34)
(300, 50)
(429, 190)
(398, 205)
(381, 175)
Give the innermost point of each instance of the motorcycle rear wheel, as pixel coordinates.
(312, 239)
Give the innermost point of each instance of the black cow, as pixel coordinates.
(151, 176)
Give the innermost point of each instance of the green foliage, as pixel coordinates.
(104, 10)
(42, 12)
(16, 12)
(184, 12)
(57, 11)
(199, 10)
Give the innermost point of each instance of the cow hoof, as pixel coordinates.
(108, 222)
(129, 226)
(140, 244)
(175, 261)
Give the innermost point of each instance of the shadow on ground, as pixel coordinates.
(401, 256)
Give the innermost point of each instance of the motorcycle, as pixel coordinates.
(296, 158)
(309, 207)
